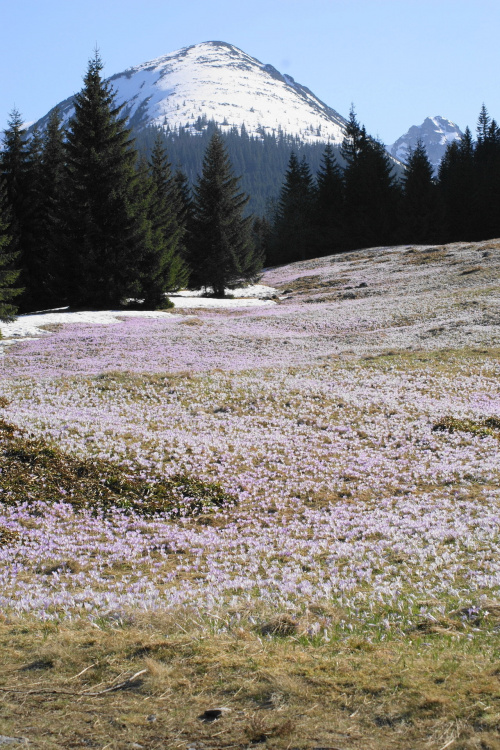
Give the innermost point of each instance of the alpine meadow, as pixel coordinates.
(249, 419)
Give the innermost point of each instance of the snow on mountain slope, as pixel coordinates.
(435, 133)
(217, 81)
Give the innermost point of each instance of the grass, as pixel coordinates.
(283, 690)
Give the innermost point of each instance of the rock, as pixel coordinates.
(212, 714)
(13, 740)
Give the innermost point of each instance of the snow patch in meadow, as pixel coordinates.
(32, 325)
(256, 295)
(260, 291)
(26, 326)
(185, 302)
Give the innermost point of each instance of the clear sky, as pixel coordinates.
(397, 61)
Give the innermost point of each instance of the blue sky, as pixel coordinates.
(398, 62)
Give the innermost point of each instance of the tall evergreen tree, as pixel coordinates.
(371, 192)
(329, 205)
(21, 170)
(166, 215)
(487, 174)
(9, 274)
(457, 191)
(222, 248)
(51, 252)
(292, 234)
(106, 233)
(420, 215)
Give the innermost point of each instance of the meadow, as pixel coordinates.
(288, 532)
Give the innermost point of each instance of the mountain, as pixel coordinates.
(216, 81)
(435, 133)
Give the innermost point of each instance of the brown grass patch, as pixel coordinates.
(75, 685)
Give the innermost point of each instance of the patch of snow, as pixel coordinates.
(185, 302)
(28, 326)
(32, 325)
(255, 290)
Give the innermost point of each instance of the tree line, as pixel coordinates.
(261, 159)
(360, 200)
(86, 222)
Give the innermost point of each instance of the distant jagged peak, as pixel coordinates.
(435, 133)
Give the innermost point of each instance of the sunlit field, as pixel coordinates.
(290, 514)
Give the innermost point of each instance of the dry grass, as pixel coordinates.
(429, 688)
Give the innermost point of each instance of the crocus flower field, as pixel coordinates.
(355, 421)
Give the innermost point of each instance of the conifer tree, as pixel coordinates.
(371, 192)
(185, 201)
(106, 233)
(165, 216)
(51, 251)
(329, 205)
(222, 249)
(457, 191)
(21, 169)
(9, 274)
(292, 234)
(420, 216)
(487, 176)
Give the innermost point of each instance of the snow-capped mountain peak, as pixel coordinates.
(217, 81)
(435, 133)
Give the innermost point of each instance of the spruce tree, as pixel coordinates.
(20, 163)
(51, 250)
(106, 233)
(372, 194)
(9, 273)
(329, 205)
(222, 249)
(292, 235)
(420, 217)
(170, 272)
(487, 176)
(457, 191)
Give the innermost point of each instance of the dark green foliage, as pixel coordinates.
(9, 274)
(221, 251)
(420, 213)
(372, 194)
(106, 234)
(261, 234)
(292, 237)
(260, 160)
(31, 470)
(458, 198)
(185, 209)
(21, 171)
(329, 205)
(489, 426)
(487, 183)
(469, 184)
(52, 291)
(164, 268)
